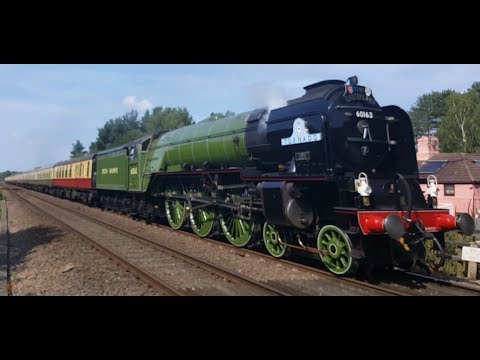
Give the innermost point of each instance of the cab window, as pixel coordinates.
(132, 154)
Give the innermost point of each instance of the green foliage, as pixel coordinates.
(456, 236)
(219, 115)
(1, 195)
(475, 86)
(459, 130)
(454, 117)
(451, 267)
(427, 112)
(117, 131)
(165, 119)
(78, 150)
(128, 127)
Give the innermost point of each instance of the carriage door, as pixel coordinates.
(133, 169)
(93, 172)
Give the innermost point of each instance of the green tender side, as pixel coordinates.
(112, 171)
(218, 142)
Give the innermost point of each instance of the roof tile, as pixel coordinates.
(460, 168)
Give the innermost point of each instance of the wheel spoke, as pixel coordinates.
(241, 227)
(327, 259)
(334, 263)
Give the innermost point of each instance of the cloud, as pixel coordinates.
(132, 103)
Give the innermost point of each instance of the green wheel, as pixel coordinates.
(270, 239)
(202, 221)
(238, 231)
(175, 213)
(337, 250)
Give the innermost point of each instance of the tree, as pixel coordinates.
(118, 131)
(219, 115)
(78, 150)
(459, 130)
(165, 119)
(427, 112)
(143, 121)
(475, 86)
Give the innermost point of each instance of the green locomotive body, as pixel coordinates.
(123, 168)
(214, 143)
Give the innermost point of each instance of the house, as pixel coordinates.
(458, 176)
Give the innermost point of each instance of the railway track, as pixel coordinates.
(153, 262)
(406, 283)
(331, 285)
(431, 285)
(398, 284)
(324, 275)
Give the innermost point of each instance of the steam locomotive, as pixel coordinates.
(332, 174)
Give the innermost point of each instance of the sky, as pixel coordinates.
(44, 108)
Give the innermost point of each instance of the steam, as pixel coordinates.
(267, 95)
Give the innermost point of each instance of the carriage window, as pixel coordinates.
(88, 169)
(449, 190)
